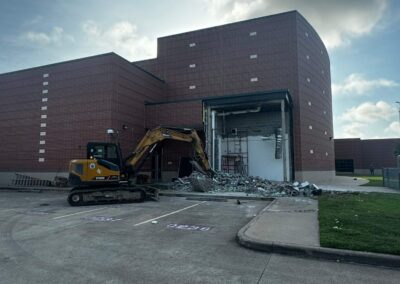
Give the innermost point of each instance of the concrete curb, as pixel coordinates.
(339, 255)
(214, 196)
(204, 196)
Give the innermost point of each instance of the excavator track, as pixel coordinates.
(90, 196)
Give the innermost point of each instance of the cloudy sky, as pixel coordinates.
(362, 36)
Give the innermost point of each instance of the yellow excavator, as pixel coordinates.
(105, 176)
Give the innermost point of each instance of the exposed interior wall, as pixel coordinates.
(262, 161)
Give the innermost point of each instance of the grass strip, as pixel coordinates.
(360, 221)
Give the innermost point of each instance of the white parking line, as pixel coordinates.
(162, 216)
(81, 212)
(11, 209)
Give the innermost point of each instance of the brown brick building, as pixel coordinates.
(356, 155)
(258, 91)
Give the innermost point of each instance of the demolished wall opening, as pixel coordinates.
(250, 135)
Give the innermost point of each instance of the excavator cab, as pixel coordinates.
(105, 151)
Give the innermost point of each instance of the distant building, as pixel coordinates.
(359, 156)
(259, 92)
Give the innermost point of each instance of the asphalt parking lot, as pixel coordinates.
(175, 240)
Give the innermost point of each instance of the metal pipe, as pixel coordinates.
(258, 109)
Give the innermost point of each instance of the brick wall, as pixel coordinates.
(379, 152)
(87, 96)
(276, 52)
(132, 88)
(223, 60)
(313, 123)
(49, 113)
(66, 105)
(178, 114)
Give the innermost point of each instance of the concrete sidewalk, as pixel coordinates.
(352, 184)
(289, 225)
(292, 220)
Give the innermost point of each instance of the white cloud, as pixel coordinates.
(358, 84)
(56, 36)
(357, 121)
(369, 112)
(122, 38)
(393, 128)
(352, 130)
(335, 21)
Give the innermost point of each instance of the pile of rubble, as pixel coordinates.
(225, 182)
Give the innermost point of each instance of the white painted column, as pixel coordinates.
(284, 139)
(213, 138)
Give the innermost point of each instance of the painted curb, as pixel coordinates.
(215, 196)
(339, 255)
(173, 194)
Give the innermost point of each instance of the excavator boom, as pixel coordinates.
(159, 134)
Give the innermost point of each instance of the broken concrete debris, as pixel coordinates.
(226, 182)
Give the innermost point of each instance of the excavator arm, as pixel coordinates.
(154, 136)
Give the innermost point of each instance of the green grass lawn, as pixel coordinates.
(373, 180)
(360, 221)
